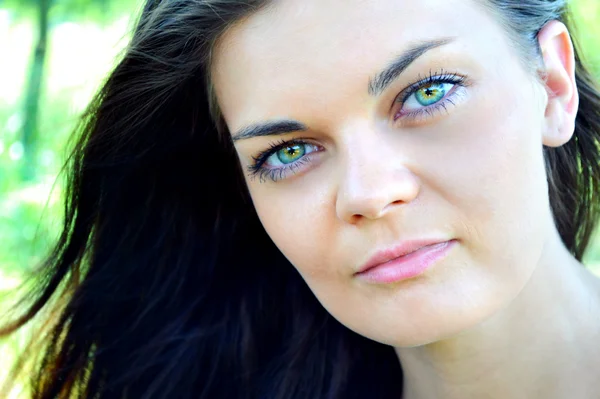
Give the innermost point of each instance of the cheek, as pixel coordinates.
(299, 221)
(497, 180)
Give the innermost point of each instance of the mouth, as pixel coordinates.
(407, 260)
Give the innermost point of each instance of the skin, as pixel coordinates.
(508, 312)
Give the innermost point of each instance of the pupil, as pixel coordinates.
(429, 92)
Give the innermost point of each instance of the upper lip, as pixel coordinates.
(404, 248)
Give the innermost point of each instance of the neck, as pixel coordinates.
(543, 345)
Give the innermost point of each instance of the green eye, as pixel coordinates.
(291, 153)
(431, 93)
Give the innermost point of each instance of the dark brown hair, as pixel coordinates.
(153, 286)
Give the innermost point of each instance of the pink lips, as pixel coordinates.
(407, 260)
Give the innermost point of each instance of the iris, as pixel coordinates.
(430, 94)
(291, 153)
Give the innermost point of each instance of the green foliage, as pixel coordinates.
(99, 11)
(587, 13)
(86, 37)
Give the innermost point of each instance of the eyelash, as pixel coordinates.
(257, 169)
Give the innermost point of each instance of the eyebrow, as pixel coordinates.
(377, 85)
(384, 78)
(271, 128)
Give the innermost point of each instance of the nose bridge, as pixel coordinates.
(373, 178)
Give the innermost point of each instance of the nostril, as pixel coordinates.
(355, 218)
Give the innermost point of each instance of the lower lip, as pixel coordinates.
(407, 266)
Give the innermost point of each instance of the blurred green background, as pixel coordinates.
(53, 56)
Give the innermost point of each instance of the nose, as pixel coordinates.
(373, 183)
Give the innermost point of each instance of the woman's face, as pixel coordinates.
(445, 147)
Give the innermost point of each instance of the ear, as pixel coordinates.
(559, 78)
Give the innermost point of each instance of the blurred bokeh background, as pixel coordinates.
(54, 54)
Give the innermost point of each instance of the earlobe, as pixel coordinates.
(559, 78)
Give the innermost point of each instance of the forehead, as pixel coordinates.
(312, 53)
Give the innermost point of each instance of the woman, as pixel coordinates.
(327, 199)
